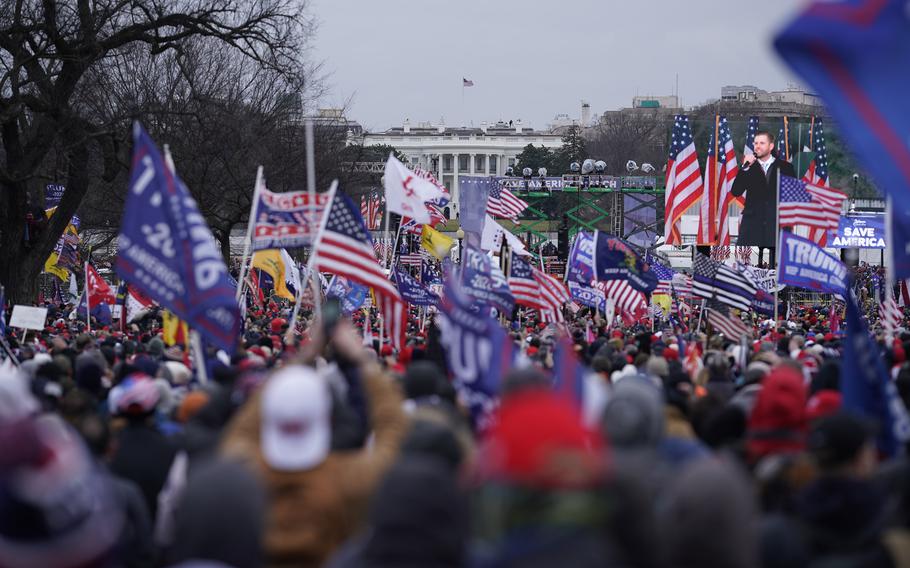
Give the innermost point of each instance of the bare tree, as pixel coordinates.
(66, 98)
(621, 136)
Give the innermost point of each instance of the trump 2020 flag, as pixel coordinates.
(478, 352)
(615, 260)
(406, 193)
(806, 265)
(413, 291)
(483, 280)
(167, 252)
(866, 387)
(580, 267)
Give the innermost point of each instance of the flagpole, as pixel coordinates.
(314, 276)
(313, 220)
(889, 259)
(395, 247)
(196, 342)
(247, 241)
(777, 249)
(700, 312)
(88, 303)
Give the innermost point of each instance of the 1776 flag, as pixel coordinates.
(168, 253)
(684, 184)
(344, 247)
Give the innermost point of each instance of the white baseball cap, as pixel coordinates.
(296, 419)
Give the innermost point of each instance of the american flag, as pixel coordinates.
(504, 203)
(731, 326)
(553, 295)
(684, 184)
(720, 171)
(744, 254)
(715, 281)
(817, 174)
(720, 252)
(370, 210)
(412, 227)
(629, 301)
(524, 286)
(783, 147)
(811, 205)
(410, 259)
(748, 149)
(344, 247)
(682, 285)
(664, 275)
(890, 315)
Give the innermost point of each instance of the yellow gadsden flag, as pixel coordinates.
(174, 330)
(269, 261)
(51, 267)
(435, 242)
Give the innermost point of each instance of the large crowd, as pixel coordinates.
(325, 448)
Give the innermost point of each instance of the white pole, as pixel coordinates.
(88, 303)
(777, 237)
(394, 249)
(313, 218)
(247, 242)
(196, 342)
(385, 235)
(314, 276)
(889, 260)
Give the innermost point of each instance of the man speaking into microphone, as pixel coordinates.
(757, 178)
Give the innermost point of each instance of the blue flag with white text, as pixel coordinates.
(412, 291)
(483, 280)
(167, 252)
(351, 294)
(854, 54)
(580, 267)
(866, 387)
(804, 264)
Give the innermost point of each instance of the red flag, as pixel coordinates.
(99, 291)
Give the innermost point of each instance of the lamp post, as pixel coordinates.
(459, 234)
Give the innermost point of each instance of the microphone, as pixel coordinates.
(745, 167)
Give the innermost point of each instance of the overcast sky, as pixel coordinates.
(397, 59)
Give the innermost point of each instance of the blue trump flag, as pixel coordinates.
(588, 296)
(483, 281)
(866, 387)
(580, 267)
(568, 373)
(478, 353)
(101, 312)
(350, 293)
(804, 264)
(429, 276)
(413, 291)
(615, 260)
(854, 54)
(167, 252)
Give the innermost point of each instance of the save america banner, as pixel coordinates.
(859, 232)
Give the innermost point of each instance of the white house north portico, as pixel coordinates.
(449, 152)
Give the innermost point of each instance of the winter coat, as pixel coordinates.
(312, 512)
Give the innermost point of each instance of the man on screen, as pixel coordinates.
(759, 183)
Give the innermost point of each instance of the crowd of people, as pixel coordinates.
(325, 448)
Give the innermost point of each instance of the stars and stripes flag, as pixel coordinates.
(466, 82)
(382, 247)
(890, 316)
(504, 203)
(720, 171)
(748, 149)
(370, 210)
(682, 284)
(684, 183)
(410, 259)
(553, 295)
(412, 227)
(344, 247)
(629, 301)
(817, 173)
(713, 280)
(664, 275)
(810, 205)
(524, 286)
(731, 326)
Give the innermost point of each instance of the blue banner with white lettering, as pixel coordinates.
(588, 296)
(53, 193)
(482, 280)
(477, 351)
(804, 264)
(580, 267)
(350, 293)
(474, 192)
(429, 276)
(859, 232)
(866, 387)
(615, 260)
(413, 291)
(167, 251)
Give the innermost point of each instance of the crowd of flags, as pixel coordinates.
(809, 202)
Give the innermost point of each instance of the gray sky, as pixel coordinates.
(533, 59)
